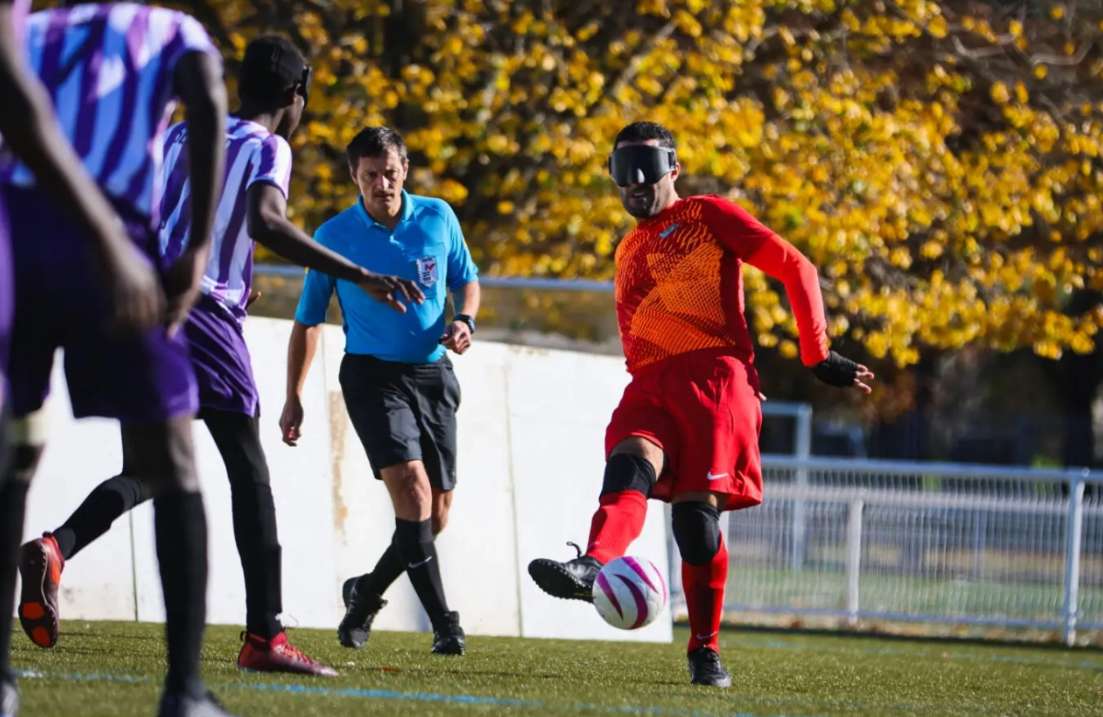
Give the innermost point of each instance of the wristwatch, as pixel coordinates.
(467, 319)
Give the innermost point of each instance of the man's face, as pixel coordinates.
(380, 181)
(647, 200)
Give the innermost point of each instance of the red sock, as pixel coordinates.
(616, 524)
(704, 590)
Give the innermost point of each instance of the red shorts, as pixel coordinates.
(703, 410)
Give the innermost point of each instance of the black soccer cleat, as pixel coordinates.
(571, 580)
(448, 637)
(180, 704)
(705, 668)
(360, 610)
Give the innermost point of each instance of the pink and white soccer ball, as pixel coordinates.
(629, 592)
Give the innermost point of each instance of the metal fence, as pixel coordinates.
(928, 542)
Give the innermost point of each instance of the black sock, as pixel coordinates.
(386, 571)
(13, 502)
(238, 439)
(415, 546)
(181, 530)
(99, 510)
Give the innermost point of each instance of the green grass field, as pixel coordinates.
(114, 668)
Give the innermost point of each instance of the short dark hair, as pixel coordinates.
(374, 142)
(643, 131)
(272, 66)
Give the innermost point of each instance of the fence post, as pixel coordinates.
(853, 560)
(802, 449)
(1074, 523)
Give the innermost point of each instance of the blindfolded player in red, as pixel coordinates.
(686, 430)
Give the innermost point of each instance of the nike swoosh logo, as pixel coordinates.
(411, 566)
(705, 637)
(716, 476)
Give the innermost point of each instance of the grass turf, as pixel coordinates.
(115, 668)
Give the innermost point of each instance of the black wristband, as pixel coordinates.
(467, 319)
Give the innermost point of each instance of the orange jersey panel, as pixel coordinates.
(679, 283)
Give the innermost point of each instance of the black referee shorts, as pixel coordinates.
(404, 412)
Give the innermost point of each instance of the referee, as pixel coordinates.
(399, 387)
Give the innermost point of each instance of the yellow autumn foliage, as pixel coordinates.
(942, 163)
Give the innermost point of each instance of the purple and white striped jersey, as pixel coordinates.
(19, 11)
(108, 69)
(253, 154)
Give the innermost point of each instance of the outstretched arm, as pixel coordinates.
(33, 134)
(761, 248)
(268, 224)
(781, 260)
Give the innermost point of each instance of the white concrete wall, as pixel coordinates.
(531, 428)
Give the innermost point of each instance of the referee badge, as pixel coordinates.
(427, 270)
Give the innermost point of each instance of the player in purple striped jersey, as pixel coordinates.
(29, 130)
(273, 86)
(113, 73)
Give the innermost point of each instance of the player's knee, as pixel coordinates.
(161, 455)
(627, 471)
(413, 497)
(27, 436)
(24, 462)
(696, 530)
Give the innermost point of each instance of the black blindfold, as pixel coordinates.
(641, 164)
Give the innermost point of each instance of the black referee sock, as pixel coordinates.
(181, 530)
(13, 502)
(415, 546)
(386, 571)
(99, 510)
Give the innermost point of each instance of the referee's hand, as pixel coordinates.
(291, 420)
(457, 337)
(391, 290)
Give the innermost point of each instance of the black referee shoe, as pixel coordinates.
(360, 610)
(448, 637)
(570, 580)
(705, 668)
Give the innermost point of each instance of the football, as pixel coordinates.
(629, 592)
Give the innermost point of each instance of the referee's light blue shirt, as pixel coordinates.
(426, 245)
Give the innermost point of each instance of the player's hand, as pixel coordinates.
(391, 290)
(457, 337)
(137, 302)
(253, 296)
(181, 283)
(838, 370)
(291, 420)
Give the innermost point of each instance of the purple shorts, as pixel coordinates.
(62, 304)
(220, 358)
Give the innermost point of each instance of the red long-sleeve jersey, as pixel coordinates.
(679, 284)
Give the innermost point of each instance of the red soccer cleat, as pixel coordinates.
(278, 655)
(40, 565)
